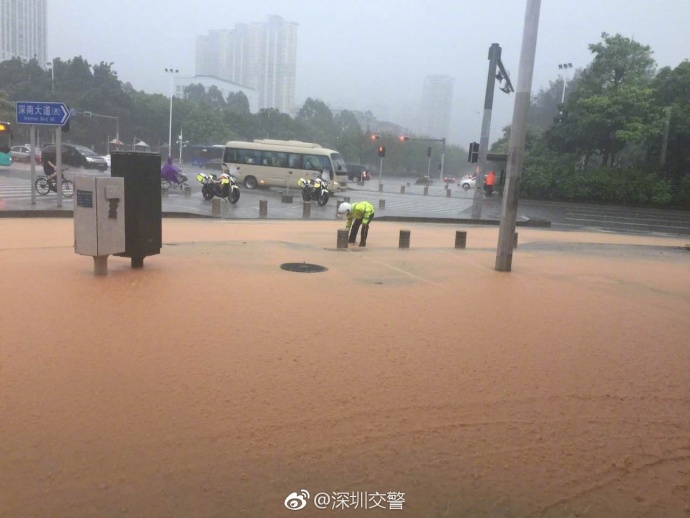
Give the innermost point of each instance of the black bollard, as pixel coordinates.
(342, 238)
(404, 241)
(460, 239)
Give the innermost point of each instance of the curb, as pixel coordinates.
(531, 222)
(68, 213)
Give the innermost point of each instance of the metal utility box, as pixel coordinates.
(143, 229)
(99, 216)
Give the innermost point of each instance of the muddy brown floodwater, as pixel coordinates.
(212, 383)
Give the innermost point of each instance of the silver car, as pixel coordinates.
(468, 182)
(23, 154)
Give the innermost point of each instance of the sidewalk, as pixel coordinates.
(214, 383)
(176, 205)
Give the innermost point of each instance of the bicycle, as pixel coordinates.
(44, 185)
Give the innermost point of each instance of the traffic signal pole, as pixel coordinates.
(380, 173)
(494, 57)
(443, 160)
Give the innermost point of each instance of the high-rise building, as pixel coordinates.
(23, 30)
(437, 101)
(261, 56)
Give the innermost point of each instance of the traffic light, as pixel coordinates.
(403, 138)
(382, 151)
(473, 154)
(375, 137)
(428, 151)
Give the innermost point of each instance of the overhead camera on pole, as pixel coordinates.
(501, 76)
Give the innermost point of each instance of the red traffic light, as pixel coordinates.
(382, 151)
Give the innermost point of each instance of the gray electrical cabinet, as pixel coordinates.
(99, 216)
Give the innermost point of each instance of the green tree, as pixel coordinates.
(194, 93)
(317, 121)
(613, 103)
(205, 125)
(350, 136)
(237, 102)
(672, 94)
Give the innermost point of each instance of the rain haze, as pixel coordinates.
(371, 54)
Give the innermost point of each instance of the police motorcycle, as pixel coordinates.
(223, 186)
(314, 189)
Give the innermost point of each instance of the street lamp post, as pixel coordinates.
(564, 67)
(268, 122)
(51, 64)
(172, 73)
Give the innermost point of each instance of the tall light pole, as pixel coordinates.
(268, 121)
(172, 73)
(51, 64)
(516, 151)
(564, 67)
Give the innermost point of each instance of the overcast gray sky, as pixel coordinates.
(371, 54)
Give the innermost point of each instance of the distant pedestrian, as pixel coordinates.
(358, 213)
(489, 182)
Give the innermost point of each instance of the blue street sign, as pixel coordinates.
(39, 112)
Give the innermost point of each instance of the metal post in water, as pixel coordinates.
(215, 207)
(342, 238)
(460, 239)
(404, 241)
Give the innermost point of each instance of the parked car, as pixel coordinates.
(75, 156)
(23, 154)
(468, 182)
(357, 172)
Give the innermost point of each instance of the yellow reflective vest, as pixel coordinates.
(361, 210)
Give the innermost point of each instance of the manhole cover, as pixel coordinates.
(303, 267)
